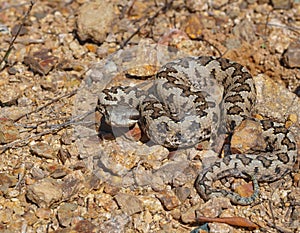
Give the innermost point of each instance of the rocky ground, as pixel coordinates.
(57, 175)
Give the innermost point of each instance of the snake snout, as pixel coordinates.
(121, 115)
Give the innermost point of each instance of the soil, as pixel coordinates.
(58, 175)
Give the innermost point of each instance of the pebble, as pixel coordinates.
(281, 4)
(214, 207)
(292, 55)
(72, 184)
(45, 193)
(245, 30)
(194, 26)
(7, 181)
(65, 213)
(41, 62)
(8, 131)
(168, 199)
(242, 143)
(189, 216)
(115, 224)
(182, 193)
(275, 101)
(128, 203)
(94, 20)
(43, 150)
(43, 213)
(151, 204)
(83, 226)
(216, 4)
(220, 227)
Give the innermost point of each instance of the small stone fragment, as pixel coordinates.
(16, 29)
(43, 150)
(220, 227)
(194, 26)
(245, 30)
(111, 189)
(292, 55)
(128, 203)
(217, 4)
(248, 135)
(169, 200)
(65, 213)
(8, 131)
(45, 193)
(282, 4)
(84, 226)
(115, 224)
(245, 190)
(94, 20)
(182, 193)
(214, 207)
(41, 62)
(72, 184)
(7, 181)
(189, 216)
(43, 213)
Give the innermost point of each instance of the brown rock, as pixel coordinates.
(41, 62)
(248, 135)
(95, 20)
(43, 213)
(291, 58)
(194, 26)
(8, 131)
(65, 213)
(282, 4)
(84, 226)
(72, 184)
(245, 30)
(169, 200)
(7, 181)
(182, 193)
(43, 150)
(45, 193)
(128, 203)
(214, 207)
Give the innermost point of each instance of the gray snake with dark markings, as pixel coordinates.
(184, 107)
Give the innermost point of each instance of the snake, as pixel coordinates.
(193, 99)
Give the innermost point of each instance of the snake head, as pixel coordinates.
(121, 115)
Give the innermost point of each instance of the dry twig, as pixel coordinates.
(11, 44)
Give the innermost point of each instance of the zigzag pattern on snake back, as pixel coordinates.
(184, 106)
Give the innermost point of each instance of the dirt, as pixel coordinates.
(57, 175)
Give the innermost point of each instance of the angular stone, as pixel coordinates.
(45, 193)
(8, 131)
(95, 20)
(65, 213)
(291, 58)
(43, 150)
(169, 200)
(128, 203)
(282, 4)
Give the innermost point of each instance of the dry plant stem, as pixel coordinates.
(11, 44)
(25, 141)
(47, 104)
(53, 129)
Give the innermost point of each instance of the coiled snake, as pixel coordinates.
(183, 107)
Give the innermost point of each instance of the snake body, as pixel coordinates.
(184, 106)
